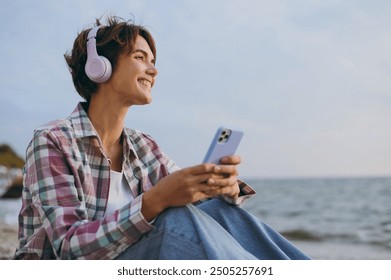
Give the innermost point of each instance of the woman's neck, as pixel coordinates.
(108, 119)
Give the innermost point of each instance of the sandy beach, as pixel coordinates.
(8, 241)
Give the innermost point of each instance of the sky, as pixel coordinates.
(307, 81)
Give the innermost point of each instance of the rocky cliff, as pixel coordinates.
(10, 172)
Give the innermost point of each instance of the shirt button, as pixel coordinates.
(119, 250)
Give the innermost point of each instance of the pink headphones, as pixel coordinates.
(98, 68)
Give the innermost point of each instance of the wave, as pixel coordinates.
(308, 236)
(301, 234)
(305, 235)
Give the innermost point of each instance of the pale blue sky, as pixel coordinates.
(308, 81)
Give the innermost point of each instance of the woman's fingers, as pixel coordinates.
(200, 169)
(213, 175)
(230, 170)
(212, 191)
(232, 160)
(228, 167)
(222, 182)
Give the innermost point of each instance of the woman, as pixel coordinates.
(94, 189)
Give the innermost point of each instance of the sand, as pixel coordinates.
(8, 241)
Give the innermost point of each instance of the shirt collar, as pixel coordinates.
(80, 121)
(84, 128)
(128, 144)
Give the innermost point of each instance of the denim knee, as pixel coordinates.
(178, 221)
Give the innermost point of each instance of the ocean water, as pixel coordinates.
(9, 209)
(330, 218)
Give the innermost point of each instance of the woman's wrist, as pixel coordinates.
(151, 205)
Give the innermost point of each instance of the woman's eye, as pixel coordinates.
(140, 58)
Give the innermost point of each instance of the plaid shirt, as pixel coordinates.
(66, 187)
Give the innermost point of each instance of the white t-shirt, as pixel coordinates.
(119, 193)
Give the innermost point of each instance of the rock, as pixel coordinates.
(10, 172)
(12, 183)
(9, 158)
(14, 191)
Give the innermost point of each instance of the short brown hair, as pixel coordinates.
(116, 38)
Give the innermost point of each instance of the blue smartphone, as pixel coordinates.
(224, 143)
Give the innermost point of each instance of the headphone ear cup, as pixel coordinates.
(98, 69)
(107, 74)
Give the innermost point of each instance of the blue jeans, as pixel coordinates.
(212, 230)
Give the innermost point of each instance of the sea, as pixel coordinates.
(327, 218)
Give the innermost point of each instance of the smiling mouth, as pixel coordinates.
(145, 82)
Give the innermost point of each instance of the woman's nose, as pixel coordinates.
(152, 70)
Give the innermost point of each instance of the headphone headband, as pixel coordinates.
(93, 32)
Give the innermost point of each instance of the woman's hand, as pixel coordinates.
(192, 184)
(228, 169)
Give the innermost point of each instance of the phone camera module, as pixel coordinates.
(224, 136)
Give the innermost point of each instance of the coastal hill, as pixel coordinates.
(9, 158)
(11, 182)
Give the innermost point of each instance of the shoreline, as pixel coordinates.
(8, 240)
(338, 250)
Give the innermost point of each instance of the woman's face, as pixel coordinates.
(135, 74)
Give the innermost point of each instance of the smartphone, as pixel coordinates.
(224, 143)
